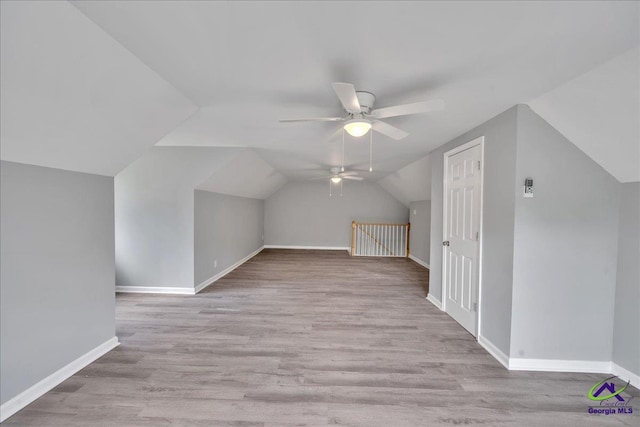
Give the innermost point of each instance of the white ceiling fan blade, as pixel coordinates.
(349, 173)
(388, 130)
(312, 119)
(357, 178)
(347, 94)
(406, 109)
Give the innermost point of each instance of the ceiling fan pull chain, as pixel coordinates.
(370, 151)
(340, 188)
(342, 150)
(329, 188)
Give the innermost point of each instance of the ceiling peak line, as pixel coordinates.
(153, 70)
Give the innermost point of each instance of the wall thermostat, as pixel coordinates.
(528, 187)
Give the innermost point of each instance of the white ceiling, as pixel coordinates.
(412, 183)
(247, 175)
(72, 97)
(599, 111)
(91, 87)
(247, 64)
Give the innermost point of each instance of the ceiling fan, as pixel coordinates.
(361, 117)
(337, 177)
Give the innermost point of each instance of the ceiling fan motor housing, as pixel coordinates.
(366, 101)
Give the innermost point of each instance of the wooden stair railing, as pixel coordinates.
(379, 239)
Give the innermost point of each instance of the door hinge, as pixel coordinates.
(477, 236)
(475, 306)
(478, 164)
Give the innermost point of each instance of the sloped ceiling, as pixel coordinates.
(90, 86)
(412, 183)
(599, 111)
(164, 172)
(247, 64)
(72, 97)
(247, 175)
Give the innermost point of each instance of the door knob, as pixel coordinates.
(445, 243)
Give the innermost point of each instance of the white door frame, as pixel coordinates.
(478, 141)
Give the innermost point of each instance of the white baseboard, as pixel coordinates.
(321, 248)
(35, 391)
(227, 270)
(625, 374)
(494, 351)
(553, 365)
(435, 301)
(419, 261)
(155, 290)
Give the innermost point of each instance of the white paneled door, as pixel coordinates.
(462, 213)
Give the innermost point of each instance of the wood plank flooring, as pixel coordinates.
(311, 338)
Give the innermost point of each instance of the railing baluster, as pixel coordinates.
(384, 240)
(406, 240)
(375, 237)
(404, 246)
(395, 239)
(395, 249)
(368, 240)
(371, 242)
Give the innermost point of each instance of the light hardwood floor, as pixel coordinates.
(307, 338)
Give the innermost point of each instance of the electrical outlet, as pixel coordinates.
(215, 263)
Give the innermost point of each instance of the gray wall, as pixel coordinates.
(227, 229)
(154, 217)
(57, 297)
(498, 220)
(565, 247)
(420, 235)
(303, 214)
(626, 331)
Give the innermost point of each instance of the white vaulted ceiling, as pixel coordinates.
(247, 64)
(91, 86)
(72, 97)
(247, 175)
(412, 183)
(599, 111)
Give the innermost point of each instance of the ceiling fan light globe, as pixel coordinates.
(336, 179)
(357, 127)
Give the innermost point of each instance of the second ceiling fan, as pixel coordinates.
(361, 117)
